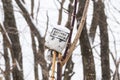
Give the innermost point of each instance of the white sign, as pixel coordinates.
(57, 38)
(62, 35)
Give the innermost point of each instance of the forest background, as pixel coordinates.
(23, 26)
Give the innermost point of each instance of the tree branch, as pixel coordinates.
(72, 47)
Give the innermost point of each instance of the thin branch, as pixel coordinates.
(32, 8)
(114, 60)
(71, 28)
(2, 71)
(56, 4)
(95, 20)
(38, 8)
(60, 12)
(23, 1)
(47, 24)
(1, 54)
(2, 29)
(72, 47)
(114, 42)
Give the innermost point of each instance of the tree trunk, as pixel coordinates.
(68, 72)
(6, 57)
(86, 51)
(35, 59)
(40, 54)
(99, 18)
(32, 8)
(94, 20)
(87, 57)
(104, 43)
(10, 26)
(60, 12)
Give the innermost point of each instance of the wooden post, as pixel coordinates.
(59, 67)
(53, 65)
(1, 78)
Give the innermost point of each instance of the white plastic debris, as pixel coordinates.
(57, 38)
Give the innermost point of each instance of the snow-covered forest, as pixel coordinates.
(24, 25)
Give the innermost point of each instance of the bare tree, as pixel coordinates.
(60, 12)
(6, 46)
(32, 8)
(35, 33)
(11, 30)
(105, 64)
(7, 59)
(11, 43)
(68, 72)
(99, 18)
(23, 1)
(86, 51)
(35, 57)
(94, 20)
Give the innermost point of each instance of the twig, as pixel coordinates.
(47, 24)
(5, 33)
(38, 8)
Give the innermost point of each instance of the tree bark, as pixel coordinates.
(10, 26)
(87, 57)
(68, 72)
(105, 64)
(86, 51)
(99, 19)
(35, 55)
(96, 9)
(32, 8)
(40, 54)
(60, 12)
(6, 57)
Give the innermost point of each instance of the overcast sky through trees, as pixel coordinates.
(51, 7)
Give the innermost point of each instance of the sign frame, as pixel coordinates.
(59, 34)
